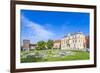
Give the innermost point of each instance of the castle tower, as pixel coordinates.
(26, 45)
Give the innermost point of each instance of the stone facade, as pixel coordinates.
(57, 44)
(87, 41)
(26, 45)
(75, 41)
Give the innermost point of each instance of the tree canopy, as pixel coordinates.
(41, 45)
(49, 44)
(44, 45)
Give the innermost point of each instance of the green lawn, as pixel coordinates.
(53, 55)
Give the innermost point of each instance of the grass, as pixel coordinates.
(78, 55)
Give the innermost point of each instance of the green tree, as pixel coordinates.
(41, 45)
(49, 44)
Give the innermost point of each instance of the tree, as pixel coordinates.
(41, 45)
(49, 44)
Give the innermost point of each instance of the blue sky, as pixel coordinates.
(44, 25)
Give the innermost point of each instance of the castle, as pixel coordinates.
(74, 41)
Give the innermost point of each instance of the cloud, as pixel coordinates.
(36, 32)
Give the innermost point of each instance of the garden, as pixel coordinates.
(53, 55)
(44, 52)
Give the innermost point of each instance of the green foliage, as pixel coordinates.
(49, 44)
(41, 45)
(31, 59)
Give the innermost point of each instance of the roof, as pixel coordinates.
(73, 34)
(57, 41)
(32, 44)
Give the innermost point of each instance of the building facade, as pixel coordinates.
(75, 41)
(26, 45)
(87, 42)
(57, 44)
(32, 46)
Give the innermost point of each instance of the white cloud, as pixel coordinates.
(38, 31)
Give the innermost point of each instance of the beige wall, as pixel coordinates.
(56, 45)
(74, 41)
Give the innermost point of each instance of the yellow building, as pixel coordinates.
(57, 44)
(75, 41)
